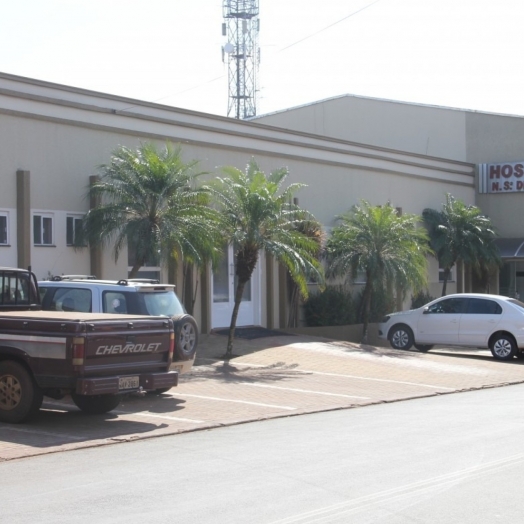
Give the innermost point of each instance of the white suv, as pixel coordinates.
(133, 296)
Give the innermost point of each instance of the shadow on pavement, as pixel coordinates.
(228, 372)
(51, 428)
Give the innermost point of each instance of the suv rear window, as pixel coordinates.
(162, 303)
(70, 299)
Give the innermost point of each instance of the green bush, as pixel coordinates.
(420, 299)
(381, 304)
(332, 307)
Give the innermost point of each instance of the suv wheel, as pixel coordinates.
(186, 337)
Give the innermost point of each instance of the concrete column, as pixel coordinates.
(95, 252)
(270, 296)
(205, 300)
(282, 297)
(23, 218)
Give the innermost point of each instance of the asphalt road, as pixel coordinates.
(444, 459)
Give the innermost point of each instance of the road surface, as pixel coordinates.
(455, 458)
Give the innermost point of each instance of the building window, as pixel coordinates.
(74, 231)
(43, 230)
(441, 274)
(4, 237)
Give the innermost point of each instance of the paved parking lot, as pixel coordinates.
(269, 377)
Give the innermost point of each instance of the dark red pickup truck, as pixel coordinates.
(96, 358)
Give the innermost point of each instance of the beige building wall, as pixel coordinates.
(425, 130)
(60, 135)
(462, 135)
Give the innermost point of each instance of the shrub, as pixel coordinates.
(381, 304)
(332, 307)
(420, 299)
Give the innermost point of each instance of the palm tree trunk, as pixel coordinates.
(238, 300)
(134, 270)
(447, 272)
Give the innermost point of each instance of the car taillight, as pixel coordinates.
(171, 346)
(79, 345)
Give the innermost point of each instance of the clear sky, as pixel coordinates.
(457, 53)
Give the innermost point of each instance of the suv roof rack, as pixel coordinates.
(144, 280)
(58, 278)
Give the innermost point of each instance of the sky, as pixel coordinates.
(466, 54)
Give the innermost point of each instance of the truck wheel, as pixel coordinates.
(186, 337)
(96, 404)
(20, 396)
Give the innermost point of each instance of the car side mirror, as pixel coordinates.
(426, 311)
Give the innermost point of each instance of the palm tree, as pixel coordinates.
(149, 201)
(388, 247)
(259, 215)
(461, 232)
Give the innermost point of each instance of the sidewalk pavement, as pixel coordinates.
(269, 377)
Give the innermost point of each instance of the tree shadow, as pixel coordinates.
(231, 374)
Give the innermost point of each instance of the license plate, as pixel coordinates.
(128, 383)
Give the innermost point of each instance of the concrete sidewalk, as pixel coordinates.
(269, 377)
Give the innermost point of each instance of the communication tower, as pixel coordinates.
(241, 26)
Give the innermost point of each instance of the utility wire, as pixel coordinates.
(283, 49)
(330, 25)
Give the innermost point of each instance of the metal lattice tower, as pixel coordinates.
(241, 27)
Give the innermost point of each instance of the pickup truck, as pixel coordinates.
(95, 358)
(130, 296)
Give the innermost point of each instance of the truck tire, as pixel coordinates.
(20, 396)
(96, 404)
(186, 337)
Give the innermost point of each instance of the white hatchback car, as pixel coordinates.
(465, 319)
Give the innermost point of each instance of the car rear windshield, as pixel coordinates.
(162, 303)
(517, 303)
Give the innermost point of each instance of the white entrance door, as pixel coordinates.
(223, 292)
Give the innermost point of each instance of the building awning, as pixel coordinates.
(510, 248)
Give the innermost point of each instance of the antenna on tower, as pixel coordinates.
(241, 26)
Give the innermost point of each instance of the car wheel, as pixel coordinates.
(424, 347)
(186, 337)
(96, 404)
(503, 347)
(20, 396)
(401, 337)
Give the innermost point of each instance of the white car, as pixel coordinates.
(465, 319)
